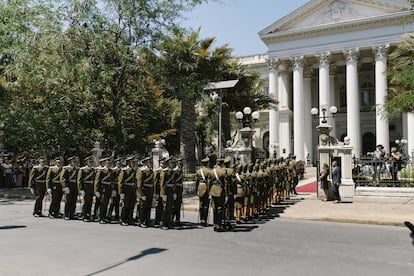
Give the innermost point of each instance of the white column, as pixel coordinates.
(332, 95)
(298, 108)
(274, 110)
(307, 99)
(284, 113)
(410, 134)
(381, 87)
(324, 87)
(352, 100)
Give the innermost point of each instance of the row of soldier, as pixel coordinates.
(243, 191)
(240, 192)
(112, 189)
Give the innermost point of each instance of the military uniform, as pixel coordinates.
(68, 180)
(115, 198)
(178, 192)
(202, 182)
(167, 194)
(145, 184)
(86, 177)
(37, 185)
(239, 183)
(157, 190)
(103, 189)
(128, 192)
(231, 190)
(218, 194)
(54, 188)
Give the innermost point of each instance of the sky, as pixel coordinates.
(237, 22)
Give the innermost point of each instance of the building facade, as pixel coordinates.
(332, 53)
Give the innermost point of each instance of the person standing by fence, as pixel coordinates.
(336, 181)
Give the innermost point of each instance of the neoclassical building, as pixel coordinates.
(332, 53)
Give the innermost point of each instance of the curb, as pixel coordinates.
(361, 221)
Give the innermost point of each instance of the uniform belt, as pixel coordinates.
(148, 185)
(178, 184)
(169, 185)
(56, 182)
(88, 182)
(239, 185)
(40, 181)
(129, 184)
(202, 183)
(72, 181)
(105, 183)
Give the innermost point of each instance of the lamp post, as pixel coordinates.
(401, 145)
(218, 86)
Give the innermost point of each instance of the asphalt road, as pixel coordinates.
(276, 246)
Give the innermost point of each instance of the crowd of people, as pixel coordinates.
(14, 172)
(126, 194)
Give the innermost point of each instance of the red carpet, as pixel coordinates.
(308, 188)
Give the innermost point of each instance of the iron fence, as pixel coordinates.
(382, 173)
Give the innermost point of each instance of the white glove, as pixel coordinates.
(209, 197)
(82, 193)
(32, 191)
(164, 198)
(143, 198)
(122, 196)
(226, 199)
(235, 196)
(174, 196)
(49, 191)
(98, 194)
(113, 193)
(67, 190)
(156, 196)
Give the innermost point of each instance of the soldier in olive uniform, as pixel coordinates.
(218, 194)
(86, 177)
(178, 191)
(231, 189)
(37, 185)
(167, 193)
(103, 189)
(145, 185)
(157, 189)
(238, 180)
(202, 181)
(54, 188)
(115, 198)
(128, 191)
(68, 180)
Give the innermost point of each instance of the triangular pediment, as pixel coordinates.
(330, 12)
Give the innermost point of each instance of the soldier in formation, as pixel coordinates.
(239, 193)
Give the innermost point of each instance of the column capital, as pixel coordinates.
(273, 63)
(297, 62)
(324, 58)
(381, 51)
(351, 55)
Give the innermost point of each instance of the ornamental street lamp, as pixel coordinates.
(333, 109)
(246, 116)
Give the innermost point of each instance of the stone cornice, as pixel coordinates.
(365, 23)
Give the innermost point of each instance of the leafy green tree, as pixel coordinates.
(75, 73)
(401, 78)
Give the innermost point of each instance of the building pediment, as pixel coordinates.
(328, 14)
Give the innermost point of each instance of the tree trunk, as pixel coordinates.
(187, 136)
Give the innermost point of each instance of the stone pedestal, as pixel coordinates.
(158, 152)
(97, 153)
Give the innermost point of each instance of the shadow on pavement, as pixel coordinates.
(9, 227)
(143, 253)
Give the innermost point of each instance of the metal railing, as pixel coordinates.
(382, 173)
